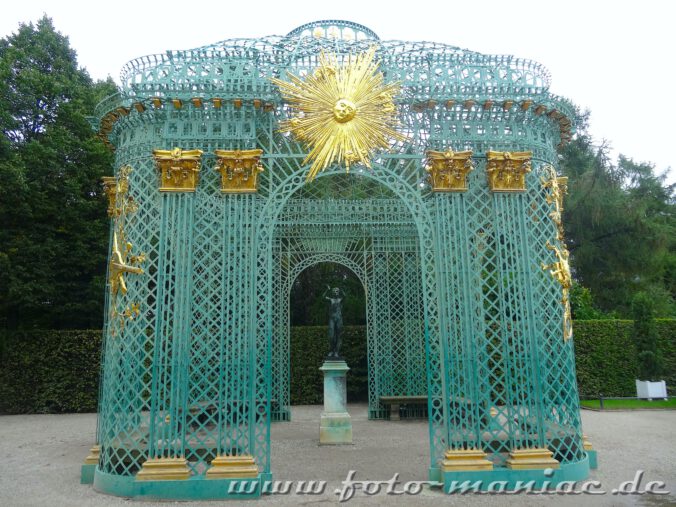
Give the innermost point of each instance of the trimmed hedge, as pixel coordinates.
(309, 346)
(607, 358)
(50, 372)
(57, 371)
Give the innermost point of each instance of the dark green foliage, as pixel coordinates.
(582, 304)
(309, 308)
(58, 371)
(620, 227)
(53, 239)
(309, 346)
(645, 337)
(50, 372)
(607, 358)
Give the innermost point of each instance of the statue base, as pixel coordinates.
(335, 426)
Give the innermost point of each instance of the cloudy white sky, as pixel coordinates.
(614, 58)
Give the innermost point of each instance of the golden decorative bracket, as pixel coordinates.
(507, 170)
(239, 170)
(448, 170)
(179, 169)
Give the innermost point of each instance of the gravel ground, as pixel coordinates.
(40, 457)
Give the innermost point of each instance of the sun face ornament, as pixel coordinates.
(341, 112)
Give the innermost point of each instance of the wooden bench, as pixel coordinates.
(460, 405)
(395, 402)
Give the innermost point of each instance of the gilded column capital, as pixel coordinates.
(239, 170)
(507, 170)
(179, 169)
(448, 170)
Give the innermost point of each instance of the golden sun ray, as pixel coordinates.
(343, 113)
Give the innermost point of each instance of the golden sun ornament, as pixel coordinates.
(341, 112)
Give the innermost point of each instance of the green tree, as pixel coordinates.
(582, 304)
(620, 227)
(54, 229)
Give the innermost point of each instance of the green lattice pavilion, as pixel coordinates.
(454, 232)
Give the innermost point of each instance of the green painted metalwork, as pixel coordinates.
(458, 307)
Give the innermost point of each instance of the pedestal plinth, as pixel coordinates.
(335, 426)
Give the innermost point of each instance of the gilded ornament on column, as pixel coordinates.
(560, 270)
(558, 188)
(448, 170)
(121, 262)
(507, 170)
(179, 169)
(239, 170)
(120, 206)
(343, 112)
(110, 189)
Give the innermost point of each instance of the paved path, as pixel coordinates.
(40, 457)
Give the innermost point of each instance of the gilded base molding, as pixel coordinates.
(463, 460)
(164, 469)
(537, 458)
(233, 467)
(93, 457)
(586, 444)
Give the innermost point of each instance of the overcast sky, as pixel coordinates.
(614, 58)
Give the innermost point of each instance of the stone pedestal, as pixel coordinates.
(335, 425)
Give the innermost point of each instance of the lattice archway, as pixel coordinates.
(314, 259)
(395, 335)
(400, 182)
(281, 359)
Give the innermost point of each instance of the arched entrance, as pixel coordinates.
(384, 253)
(309, 334)
(366, 221)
